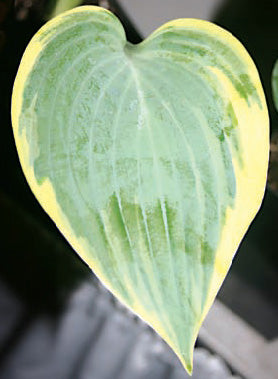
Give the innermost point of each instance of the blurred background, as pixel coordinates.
(56, 319)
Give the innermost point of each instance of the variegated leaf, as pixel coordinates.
(150, 158)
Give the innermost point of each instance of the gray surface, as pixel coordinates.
(246, 350)
(148, 15)
(95, 338)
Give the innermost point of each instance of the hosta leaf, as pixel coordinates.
(274, 83)
(58, 6)
(151, 159)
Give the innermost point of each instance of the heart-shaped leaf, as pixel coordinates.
(150, 158)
